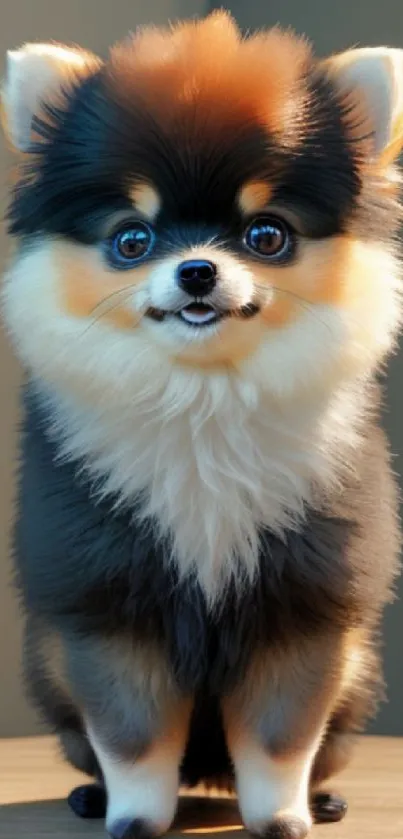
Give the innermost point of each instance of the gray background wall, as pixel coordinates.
(95, 24)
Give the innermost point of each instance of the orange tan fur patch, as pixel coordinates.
(88, 289)
(357, 658)
(146, 200)
(322, 273)
(206, 71)
(254, 197)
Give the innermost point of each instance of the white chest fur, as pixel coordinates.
(211, 464)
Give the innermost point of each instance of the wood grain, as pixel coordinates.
(34, 783)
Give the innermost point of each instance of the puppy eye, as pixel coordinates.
(129, 244)
(270, 238)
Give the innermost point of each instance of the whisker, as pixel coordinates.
(286, 291)
(108, 297)
(109, 309)
(305, 304)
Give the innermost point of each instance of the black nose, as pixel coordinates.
(197, 276)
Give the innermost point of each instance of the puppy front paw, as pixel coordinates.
(88, 801)
(328, 807)
(283, 827)
(132, 829)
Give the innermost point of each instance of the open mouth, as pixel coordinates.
(202, 314)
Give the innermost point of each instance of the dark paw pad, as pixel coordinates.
(132, 829)
(328, 808)
(88, 801)
(286, 828)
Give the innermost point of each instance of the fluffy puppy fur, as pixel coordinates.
(205, 286)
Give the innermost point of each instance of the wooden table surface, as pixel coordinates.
(34, 784)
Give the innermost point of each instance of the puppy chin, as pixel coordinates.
(226, 343)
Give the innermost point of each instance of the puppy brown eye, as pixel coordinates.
(270, 238)
(129, 245)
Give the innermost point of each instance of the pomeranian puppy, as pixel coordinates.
(204, 288)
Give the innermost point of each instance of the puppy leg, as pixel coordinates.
(137, 725)
(362, 690)
(275, 723)
(45, 679)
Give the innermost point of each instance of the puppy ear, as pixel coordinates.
(373, 77)
(35, 74)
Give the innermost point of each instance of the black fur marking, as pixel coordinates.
(321, 179)
(97, 149)
(206, 758)
(96, 146)
(88, 801)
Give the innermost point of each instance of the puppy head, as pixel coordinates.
(207, 201)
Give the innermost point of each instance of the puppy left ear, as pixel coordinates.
(373, 77)
(36, 74)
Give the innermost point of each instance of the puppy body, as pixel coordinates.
(206, 287)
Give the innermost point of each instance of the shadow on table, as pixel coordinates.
(45, 819)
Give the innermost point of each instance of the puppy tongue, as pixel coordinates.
(198, 314)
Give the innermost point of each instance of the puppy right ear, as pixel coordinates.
(35, 74)
(374, 75)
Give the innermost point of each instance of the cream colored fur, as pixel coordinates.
(144, 789)
(205, 457)
(271, 789)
